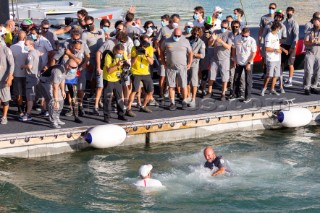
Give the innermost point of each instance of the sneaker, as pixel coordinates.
(153, 103)
(4, 121)
(81, 111)
(145, 109)
(55, 126)
(69, 113)
(262, 76)
(247, 100)
(77, 120)
(184, 105)
(26, 117)
(166, 93)
(314, 91)
(106, 119)
(130, 113)
(96, 111)
(232, 98)
(114, 109)
(60, 122)
(20, 118)
(100, 104)
(161, 98)
(307, 92)
(122, 118)
(273, 92)
(44, 113)
(179, 95)
(223, 98)
(209, 95)
(192, 104)
(172, 107)
(263, 91)
(288, 84)
(281, 90)
(203, 93)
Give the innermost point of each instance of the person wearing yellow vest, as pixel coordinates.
(10, 27)
(112, 71)
(141, 58)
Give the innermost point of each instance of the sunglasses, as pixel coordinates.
(90, 24)
(106, 26)
(77, 42)
(45, 28)
(178, 36)
(245, 36)
(73, 67)
(189, 27)
(118, 29)
(236, 27)
(272, 8)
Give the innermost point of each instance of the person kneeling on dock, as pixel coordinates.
(215, 161)
(145, 175)
(141, 58)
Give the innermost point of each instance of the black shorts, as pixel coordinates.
(288, 58)
(146, 80)
(19, 86)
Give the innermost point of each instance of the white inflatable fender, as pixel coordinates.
(105, 136)
(294, 117)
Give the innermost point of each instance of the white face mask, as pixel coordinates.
(175, 25)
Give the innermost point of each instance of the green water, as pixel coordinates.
(273, 171)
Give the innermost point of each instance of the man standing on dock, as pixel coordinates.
(312, 58)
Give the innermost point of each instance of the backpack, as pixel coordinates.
(104, 54)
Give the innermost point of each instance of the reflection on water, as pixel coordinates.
(273, 170)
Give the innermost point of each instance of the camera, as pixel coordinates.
(141, 51)
(124, 76)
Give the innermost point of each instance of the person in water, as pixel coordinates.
(145, 175)
(214, 161)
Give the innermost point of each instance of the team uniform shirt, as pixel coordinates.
(57, 77)
(141, 66)
(110, 43)
(52, 38)
(311, 35)
(198, 47)
(272, 41)
(196, 23)
(94, 40)
(292, 28)
(148, 183)
(6, 63)
(110, 62)
(219, 52)
(217, 162)
(33, 59)
(176, 52)
(244, 49)
(164, 33)
(265, 20)
(44, 46)
(282, 33)
(132, 30)
(20, 56)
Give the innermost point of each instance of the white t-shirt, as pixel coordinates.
(148, 183)
(20, 57)
(244, 49)
(272, 41)
(217, 24)
(196, 23)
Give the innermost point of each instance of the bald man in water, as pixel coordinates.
(214, 161)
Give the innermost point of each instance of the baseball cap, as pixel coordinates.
(144, 170)
(218, 9)
(26, 22)
(189, 24)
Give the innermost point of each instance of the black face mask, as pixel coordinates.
(289, 16)
(235, 30)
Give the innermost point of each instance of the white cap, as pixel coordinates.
(3, 31)
(144, 170)
(189, 24)
(218, 9)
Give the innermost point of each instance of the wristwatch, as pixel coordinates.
(250, 62)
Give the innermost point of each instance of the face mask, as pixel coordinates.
(44, 30)
(163, 24)
(175, 25)
(105, 29)
(188, 30)
(235, 17)
(26, 48)
(175, 38)
(220, 16)
(118, 55)
(136, 43)
(34, 37)
(244, 39)
(289, 16)
(195, 17)
(72, 71)
(223, 30)
(235, 30)
(271, 11)
(90, 28)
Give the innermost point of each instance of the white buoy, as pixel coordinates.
(294, 117)
(105, 136)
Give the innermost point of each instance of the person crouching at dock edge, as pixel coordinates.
(174, 56)
(112, 74)
(141, 58)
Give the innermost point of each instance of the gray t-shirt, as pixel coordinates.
(198, 47)
(52, 38)
(6, 63)
(219, 52)
(311, 35)
(132, 30)
(107, 45)
(94, 40)
(176, 52)
(282, 34)
(265, 20)
(44, 46)
(244, 49)
(57, 77)
(33, 59)
(20, 56)
(292, 32)
(164, 33)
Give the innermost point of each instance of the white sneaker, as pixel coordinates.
(192, 104)
(263, 91)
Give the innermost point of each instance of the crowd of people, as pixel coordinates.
(117, 66)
